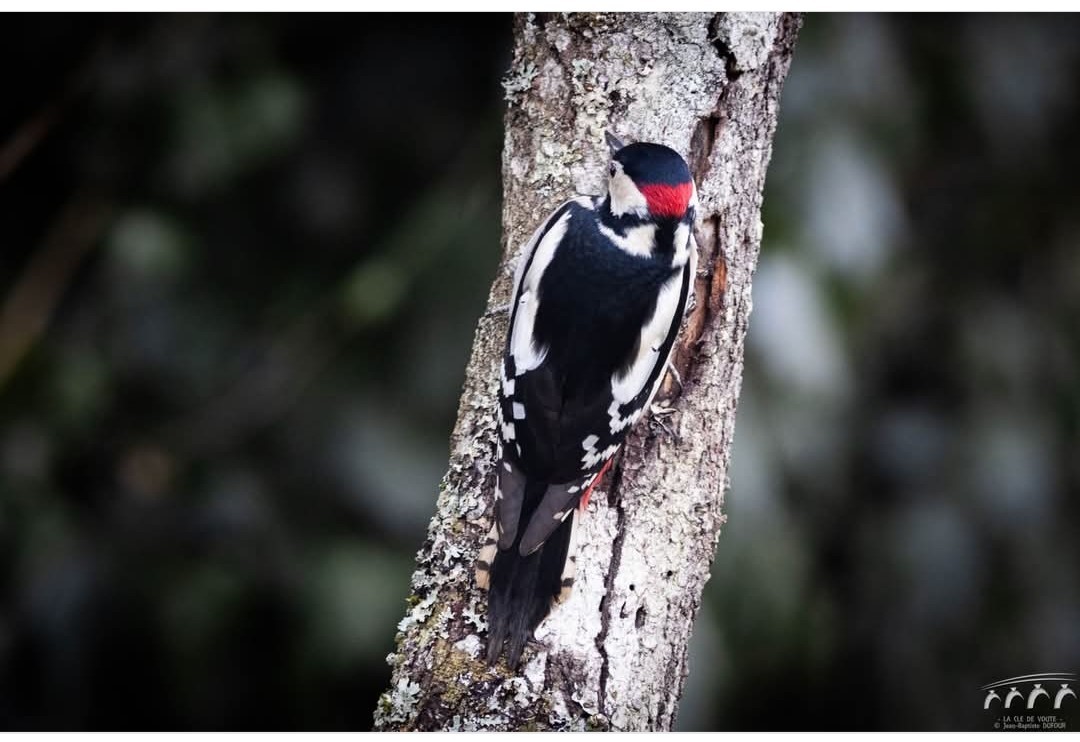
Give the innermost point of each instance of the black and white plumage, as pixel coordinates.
(599, 294)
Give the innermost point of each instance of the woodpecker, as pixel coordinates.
(599, 295)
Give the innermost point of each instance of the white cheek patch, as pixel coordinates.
(625, 196)
(638, 240)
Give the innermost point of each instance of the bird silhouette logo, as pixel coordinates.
(1033, 692)
(1013, 695)
(1062, 694)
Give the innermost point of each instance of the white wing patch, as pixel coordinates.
(523, 348)
(618, 423)
(592, 458)
(625, 387)
(507, 384)
(563, 516)
(526, 355)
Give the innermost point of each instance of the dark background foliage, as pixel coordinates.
(242, 258)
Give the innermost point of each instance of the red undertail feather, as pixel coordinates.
(595, 483)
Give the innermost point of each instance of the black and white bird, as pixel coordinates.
(599, 294)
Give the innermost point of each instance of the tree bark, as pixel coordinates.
(614, 655)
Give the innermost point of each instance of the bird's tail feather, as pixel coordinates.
(522, 588)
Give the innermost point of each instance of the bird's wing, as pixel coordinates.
(520, 356)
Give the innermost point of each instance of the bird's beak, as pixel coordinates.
(613, 142)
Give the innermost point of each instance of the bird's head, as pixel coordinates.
(649, 180)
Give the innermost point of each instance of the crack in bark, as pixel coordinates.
(730, 70)
(614, 500)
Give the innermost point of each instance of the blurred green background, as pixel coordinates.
(242, 259)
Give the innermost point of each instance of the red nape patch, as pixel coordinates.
(667, 200)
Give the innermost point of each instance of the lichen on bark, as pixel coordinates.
(614, 655)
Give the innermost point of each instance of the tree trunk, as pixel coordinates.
(614, 655)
